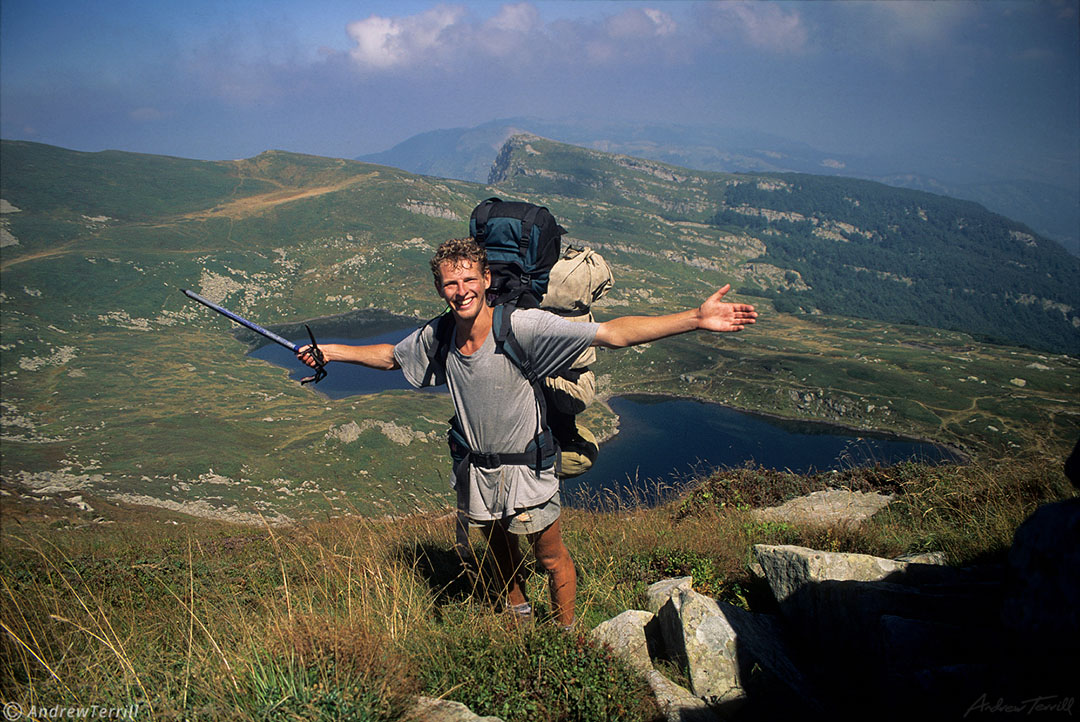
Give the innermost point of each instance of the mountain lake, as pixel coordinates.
(663, 442)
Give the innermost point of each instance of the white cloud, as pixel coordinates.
(392, 42)
(900, 33)
(640, 23)
(515, 36)
(519, 18)
(665, 24)
(514, 32)
(921, 23)
(765, 26)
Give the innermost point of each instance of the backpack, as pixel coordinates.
(522, 241)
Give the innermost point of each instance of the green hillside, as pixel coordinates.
(118, 390)
(837, 245)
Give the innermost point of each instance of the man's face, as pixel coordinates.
(463, 287)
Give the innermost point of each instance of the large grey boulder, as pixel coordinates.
(699, 636)
(633, 635)
(828, 593)
(789, 568)
(836, 602)
(732, 654)
(659, 593)
(911, 645)
(626, 636)
(677, 703)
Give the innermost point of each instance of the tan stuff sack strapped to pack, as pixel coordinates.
(579, 278)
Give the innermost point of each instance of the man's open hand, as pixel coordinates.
(715, 315)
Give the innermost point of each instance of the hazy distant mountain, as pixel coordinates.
(467, 154)
(459, 153)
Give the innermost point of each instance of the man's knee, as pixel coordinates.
(551, 553)
(555, 561)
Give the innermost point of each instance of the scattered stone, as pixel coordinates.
(626, 636)
(401, 435)
(428, 709)
(77, 500)
(58, 357)
(661, 592)
(677, 703)
(831, 507)
(427, 208)
(203, 509)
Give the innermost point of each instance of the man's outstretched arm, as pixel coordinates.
(378, 356)
(712, 315)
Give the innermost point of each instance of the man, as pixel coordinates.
(497, 410)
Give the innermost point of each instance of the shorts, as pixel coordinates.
(532, 520)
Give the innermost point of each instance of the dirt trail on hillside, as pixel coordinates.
(254, 205)
(37, 256)
(236, 209)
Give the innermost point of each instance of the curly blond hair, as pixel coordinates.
(455, 251)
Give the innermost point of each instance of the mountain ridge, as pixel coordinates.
(467, 153)
(996, 276)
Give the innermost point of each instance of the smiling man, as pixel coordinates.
(503, 485)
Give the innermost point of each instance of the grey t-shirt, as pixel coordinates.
(496, 405)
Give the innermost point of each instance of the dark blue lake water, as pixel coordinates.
(661, 441)
(341, 379)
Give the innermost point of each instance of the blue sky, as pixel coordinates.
(231, 78)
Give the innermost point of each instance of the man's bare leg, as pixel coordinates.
(554, 557)
(509, 563)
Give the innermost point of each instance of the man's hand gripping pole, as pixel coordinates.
(312, 352)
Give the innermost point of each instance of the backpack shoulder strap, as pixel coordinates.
(527, 222)
(437, 352)
(480, 216)
(507, 343)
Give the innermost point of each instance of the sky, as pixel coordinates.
(221, 79)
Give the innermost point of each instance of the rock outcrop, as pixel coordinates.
(864, 637)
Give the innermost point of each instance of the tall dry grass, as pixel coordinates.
(351, 618)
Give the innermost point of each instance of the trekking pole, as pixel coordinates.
(313, 350)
